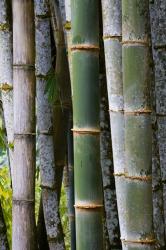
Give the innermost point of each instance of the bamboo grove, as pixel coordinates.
(83, 124)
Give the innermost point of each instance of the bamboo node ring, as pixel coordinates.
(24, 66)
(84, 47)
(22, 135)
(146, 241)
(90, 131)
(138, 112)
(116, 110)
(137, 42)
(6, 86)
(141, 178)
(110, 37)
(23, 201)
(88, 206)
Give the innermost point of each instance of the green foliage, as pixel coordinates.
(37, 195)
(6, 199)
(52, 88)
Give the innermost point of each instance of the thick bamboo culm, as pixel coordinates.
(138, 132)
(50, 191)
(23, 232)
(6, 72)
(112, 36)
(86, 128)
(158, 24)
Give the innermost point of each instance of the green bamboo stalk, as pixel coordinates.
(138, 132)
(85, 82)
(112, 35)
(50, 191)
(6, 72)
(24, 231)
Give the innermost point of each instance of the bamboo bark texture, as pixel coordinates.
(86, 127)
(23, 232)
(158, 9)
(6, 72)
(138, 133)
(50, 189)
(112, 35)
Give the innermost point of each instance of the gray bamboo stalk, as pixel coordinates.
(110, 202)
(138, 132)
(6, 72)
(24, 230)
(50, 191)
(157, 10)
(112, 35)
(3, 232)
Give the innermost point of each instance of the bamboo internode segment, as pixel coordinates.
(83, 46)
(88, 206)
(141, 178)
(86, 131)
(6, 87)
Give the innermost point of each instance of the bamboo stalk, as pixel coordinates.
(157, 10)
(62, 105)
(85, 82)
(24, 231)
(112, 35)
(110, 202)
(138, 133)
(50, 191)
(6, 72)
